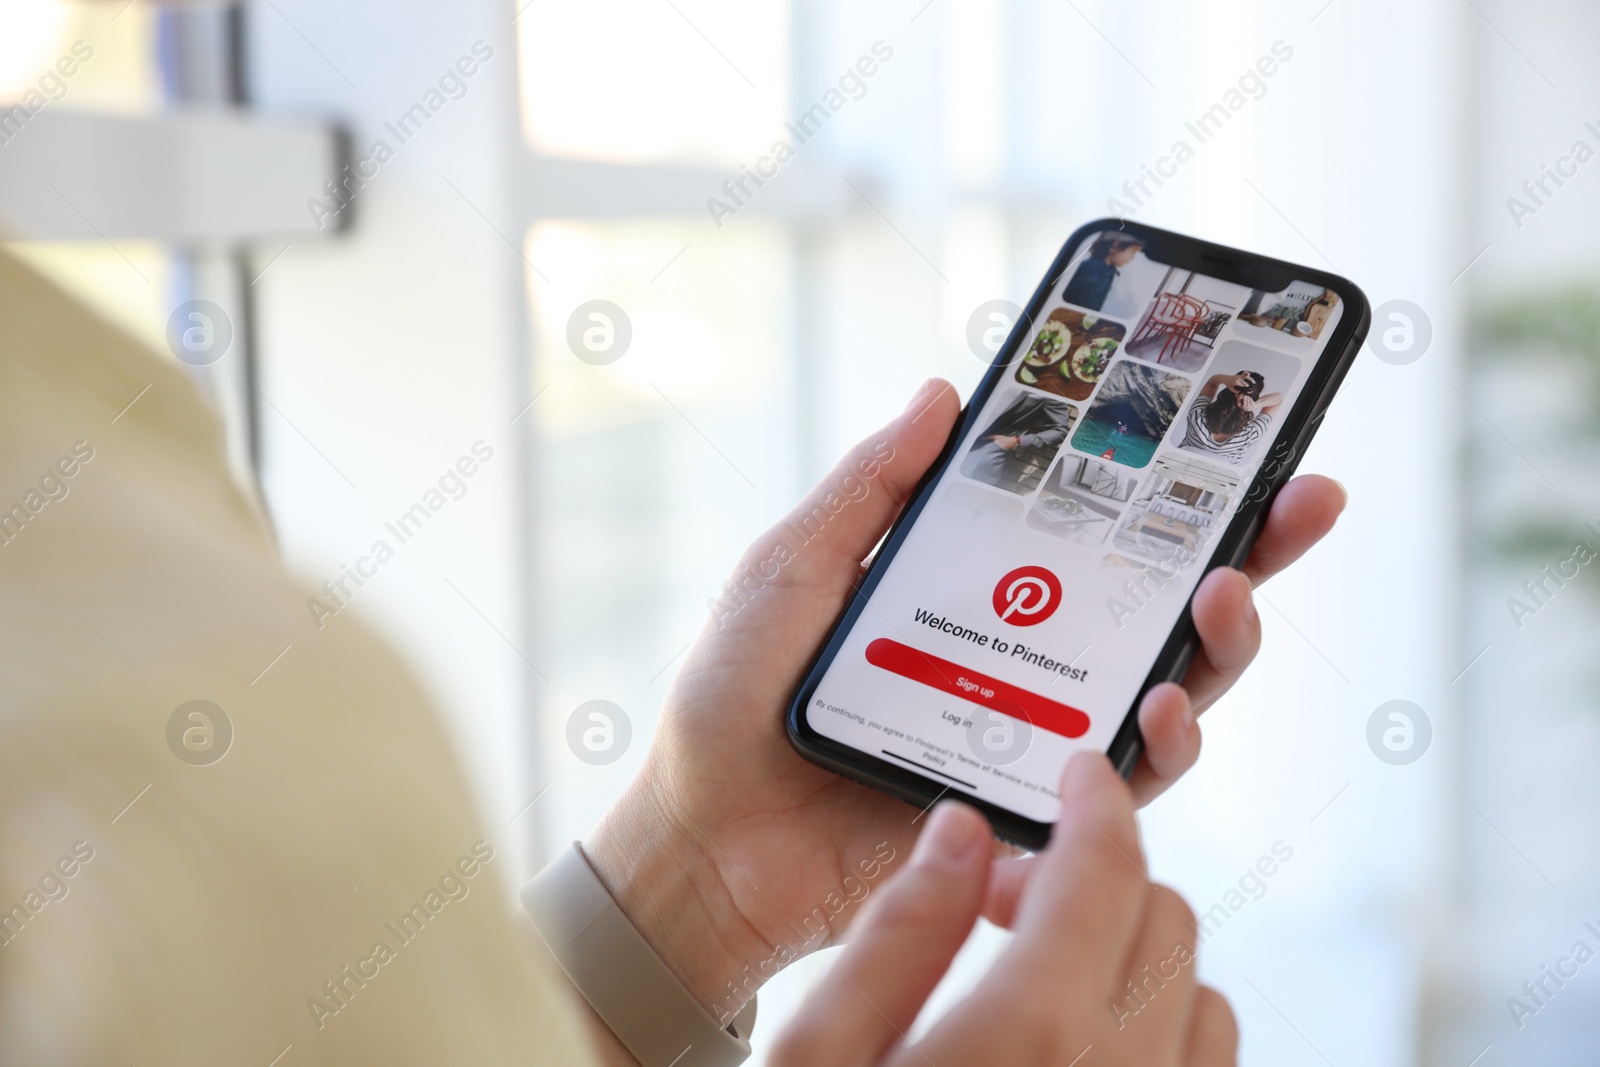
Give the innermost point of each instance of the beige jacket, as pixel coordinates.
(324, 893)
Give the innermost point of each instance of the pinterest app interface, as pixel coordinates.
(1029, 601)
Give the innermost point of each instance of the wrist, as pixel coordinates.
(663, 874)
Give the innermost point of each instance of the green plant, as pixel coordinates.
(1559, 331)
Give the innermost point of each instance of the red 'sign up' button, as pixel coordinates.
(992, 693)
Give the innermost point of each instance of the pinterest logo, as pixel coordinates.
(1027, 596)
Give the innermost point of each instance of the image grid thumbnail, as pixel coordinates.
(1180, 508)
(1015, 449)
(1081, 499)
(1130, 414)
(1113, 276)
(1070, 352)
(1302, 311)
(1180, 328)
(1236, 407)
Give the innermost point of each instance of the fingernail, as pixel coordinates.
(1343, 493)
(1250, 609)
(1188, 719)
(1080, 775)
(922, 391)
(949, 838)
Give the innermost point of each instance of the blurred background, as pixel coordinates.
(379, 331)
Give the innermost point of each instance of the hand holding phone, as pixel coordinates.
(731, 853)
(1044, 579)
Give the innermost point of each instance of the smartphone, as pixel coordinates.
(1129, 436)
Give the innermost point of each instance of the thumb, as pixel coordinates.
(835, 526)
(900, 946)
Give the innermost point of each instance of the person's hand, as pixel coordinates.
(1006, 443)
(730, 852)
(1102, 969)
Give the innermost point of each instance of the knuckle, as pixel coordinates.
(1170, 909)
(911, 902)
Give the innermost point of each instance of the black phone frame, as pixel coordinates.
(1233, 546)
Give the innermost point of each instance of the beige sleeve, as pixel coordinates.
(307, 895)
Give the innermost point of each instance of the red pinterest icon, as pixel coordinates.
(1027, 596)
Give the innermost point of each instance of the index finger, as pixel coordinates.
(1301, 515)
(1081, 907)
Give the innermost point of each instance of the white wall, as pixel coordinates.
(390, 350)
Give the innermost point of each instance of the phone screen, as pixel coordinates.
(1025, 607)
